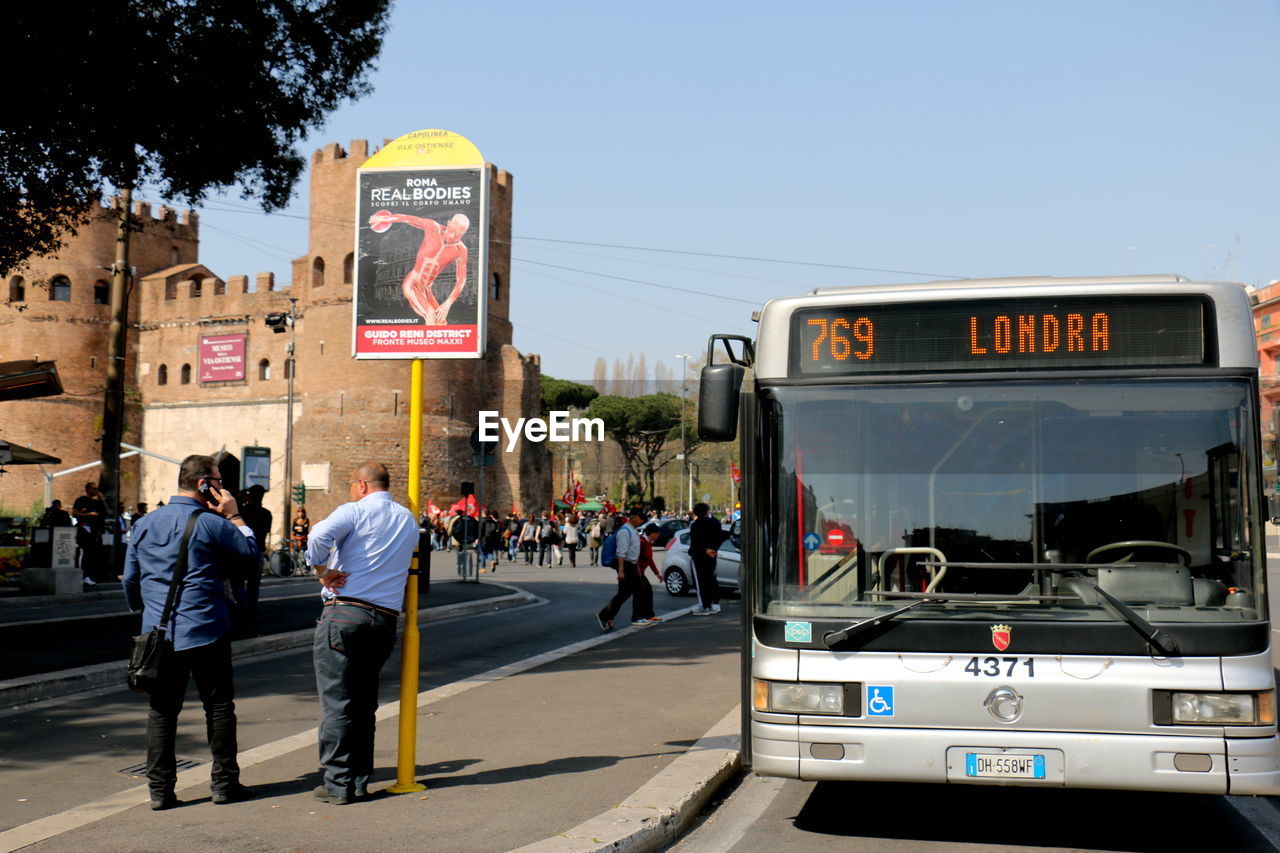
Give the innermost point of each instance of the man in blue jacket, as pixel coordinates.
(221, 548)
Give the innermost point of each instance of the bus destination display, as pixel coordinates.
(1000, 334)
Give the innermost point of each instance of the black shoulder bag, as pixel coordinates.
(150, 650)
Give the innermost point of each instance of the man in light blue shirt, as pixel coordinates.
(361, 554)
(628, 551)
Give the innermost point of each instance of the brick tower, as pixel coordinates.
(58, 308)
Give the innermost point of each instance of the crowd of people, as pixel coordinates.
(554, 536)
(549, 537)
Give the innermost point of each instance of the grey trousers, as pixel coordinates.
(351, 645)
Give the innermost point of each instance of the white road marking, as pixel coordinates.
(82, 815)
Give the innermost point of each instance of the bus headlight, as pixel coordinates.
(790, 697)
(1219, 709)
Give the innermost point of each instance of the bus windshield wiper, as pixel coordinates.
(1158, 639)
(830, 638)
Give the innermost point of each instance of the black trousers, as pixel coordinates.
(704, 577)
(628, 586)
(210, 666)
(642, 602)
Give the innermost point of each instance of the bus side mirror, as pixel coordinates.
(719, 387)
(1273, 508)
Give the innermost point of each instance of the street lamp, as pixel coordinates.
(277, 322)
(684, 450)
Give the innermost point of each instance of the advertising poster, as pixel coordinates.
(222, 358)
(420, 254)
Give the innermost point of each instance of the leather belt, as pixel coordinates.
(395, 614)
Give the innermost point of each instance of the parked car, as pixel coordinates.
(677, 567)
(667, 530)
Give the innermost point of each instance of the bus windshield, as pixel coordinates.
(1013, 499)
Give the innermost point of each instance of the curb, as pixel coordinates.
(33, 688)
(114, 591)
(655, 815)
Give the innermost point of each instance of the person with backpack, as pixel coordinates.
(490, 540)
(548, 539)
(595, 535)
(512, 537)
(572, 538)
(624, 546)
(529, 539)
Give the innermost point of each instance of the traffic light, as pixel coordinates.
(300, 493)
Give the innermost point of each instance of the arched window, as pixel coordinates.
(17, 289)
(60, 289)
(317, 272)
(162, 375)
(186, 374)
(101, 293)
(173, 256)
(495, 287)
(348, 268)
(264, 369)
(197, 286)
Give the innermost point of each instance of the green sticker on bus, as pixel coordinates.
(799, 632)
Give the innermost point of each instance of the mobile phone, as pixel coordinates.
(209, 493)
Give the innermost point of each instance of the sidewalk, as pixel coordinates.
(526, 755)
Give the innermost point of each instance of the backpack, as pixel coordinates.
(609, 551)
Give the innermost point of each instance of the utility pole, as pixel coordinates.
(684, 450)
(113, 396)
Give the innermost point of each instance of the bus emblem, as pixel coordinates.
(1001, 636)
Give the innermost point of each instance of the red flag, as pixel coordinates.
(734, 473)
(432, 509)
(579, 496)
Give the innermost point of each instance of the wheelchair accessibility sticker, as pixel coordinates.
(799, 632)
(879, 700)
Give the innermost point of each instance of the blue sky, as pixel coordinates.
(942, 138)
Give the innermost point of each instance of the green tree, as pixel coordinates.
(191, 96)
(641, 427)
(561, 394)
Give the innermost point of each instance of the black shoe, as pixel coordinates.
(606, 625)
(322, 794)
(164, 801)
(237, 793)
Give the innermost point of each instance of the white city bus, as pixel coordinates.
(1006, 532)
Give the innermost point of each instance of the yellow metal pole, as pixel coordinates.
(406, 758)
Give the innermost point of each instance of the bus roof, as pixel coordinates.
(1009, 281)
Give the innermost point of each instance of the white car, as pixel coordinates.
(677, 567)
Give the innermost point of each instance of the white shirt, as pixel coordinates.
(372, 541)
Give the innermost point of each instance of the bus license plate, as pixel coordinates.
(981, 765)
